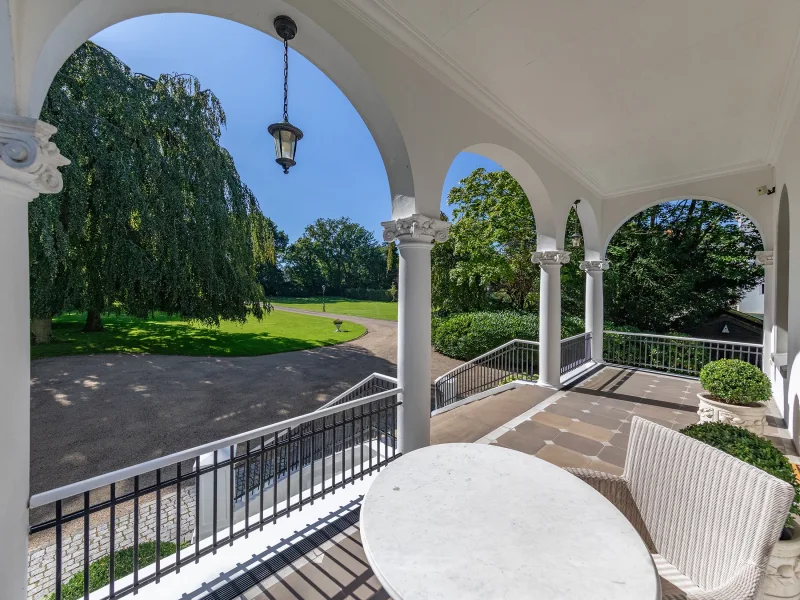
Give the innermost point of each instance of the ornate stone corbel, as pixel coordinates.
(28, 157)
(417, 228)
(550, 258)
(765, 257)
(594, 265)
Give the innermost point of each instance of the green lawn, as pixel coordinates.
(277, 332)
(343, 306)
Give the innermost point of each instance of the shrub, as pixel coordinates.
(750, 448)
(123, 565)
(735, 382)
(467, 335)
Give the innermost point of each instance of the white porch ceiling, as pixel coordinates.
(632, 94)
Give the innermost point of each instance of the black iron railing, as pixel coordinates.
(287, 465)
(673, 354)
(514, 360)
(372, 384)
(575, 351)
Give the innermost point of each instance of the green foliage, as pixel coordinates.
(750, 448)
(100, 569)
(683, 262)
(280, 331)
(671, 356)
(735, 381)
(467, 335)
(153, 215)
(338, 254)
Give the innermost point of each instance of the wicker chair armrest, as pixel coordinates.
(742, 586)
(615, 489)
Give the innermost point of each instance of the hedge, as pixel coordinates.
(750, 448)
(467, 335)
(123, 565)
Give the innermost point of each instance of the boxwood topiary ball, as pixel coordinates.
(735, 382)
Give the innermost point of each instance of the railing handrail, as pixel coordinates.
(575, 337)
(93, 483)
(484, 355)
(684, 339)
(357, 385)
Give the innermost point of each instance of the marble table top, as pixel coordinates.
(464, 521)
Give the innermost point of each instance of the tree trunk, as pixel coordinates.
(93, 322)
(41, 329)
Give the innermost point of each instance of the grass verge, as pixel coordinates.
(386, 311)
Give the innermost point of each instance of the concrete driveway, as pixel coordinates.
(97, 413)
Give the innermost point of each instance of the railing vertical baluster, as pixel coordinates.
(333, 456)
(86, 545)
(158, 525)
(262, 465)
(178, 507)
(136, 531)
(288, 463)
(112, 533)
(58, 550)
(247, 490)
(275, 480)
(231, 489)
(214, 508)
(353, 444)
(197, 507)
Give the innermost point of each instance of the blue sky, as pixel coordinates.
(244, 69)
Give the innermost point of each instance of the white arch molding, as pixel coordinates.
(609, 233)
(88, 17)
(538, 197)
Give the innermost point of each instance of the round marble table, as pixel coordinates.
(463, 521)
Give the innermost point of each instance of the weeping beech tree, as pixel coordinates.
(153, 215)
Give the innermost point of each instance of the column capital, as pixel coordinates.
(417, 228)
(28, 159)
(550, 258)
(594, 265)
(765, 257)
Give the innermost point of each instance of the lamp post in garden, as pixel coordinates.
(323, 297)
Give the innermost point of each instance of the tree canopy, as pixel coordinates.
(678, 263)
(673, 265)
(341, 255)
(153, 215)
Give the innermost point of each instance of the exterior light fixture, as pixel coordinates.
(285, 134)
(576, 240)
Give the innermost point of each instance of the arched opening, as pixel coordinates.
(77, 420)
(782, 270)
(682, 266)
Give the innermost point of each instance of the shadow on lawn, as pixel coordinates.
(163, 336)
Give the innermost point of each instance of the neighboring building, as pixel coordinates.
(732, 326)
(752, 302)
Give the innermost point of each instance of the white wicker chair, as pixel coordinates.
(709, 519)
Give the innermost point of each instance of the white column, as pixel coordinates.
(550, 262)
(28, 167)
(415, 236)
(767, 258)
(594, 303)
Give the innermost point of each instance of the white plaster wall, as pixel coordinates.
(787, 172)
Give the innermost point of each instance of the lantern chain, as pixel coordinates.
(286, 80)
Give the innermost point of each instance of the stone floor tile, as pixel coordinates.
(620, 440)
(565, 411)
(611, 413)
(563, 457)
(600, 421)
(463, 429)
(536, 429)
(578, 443)
(520, 441)
(613, 455)
(599, 465)
(553, 420)
(590, 431)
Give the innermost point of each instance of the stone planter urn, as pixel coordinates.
(338, 325)
(783, 569)
(752, 417)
